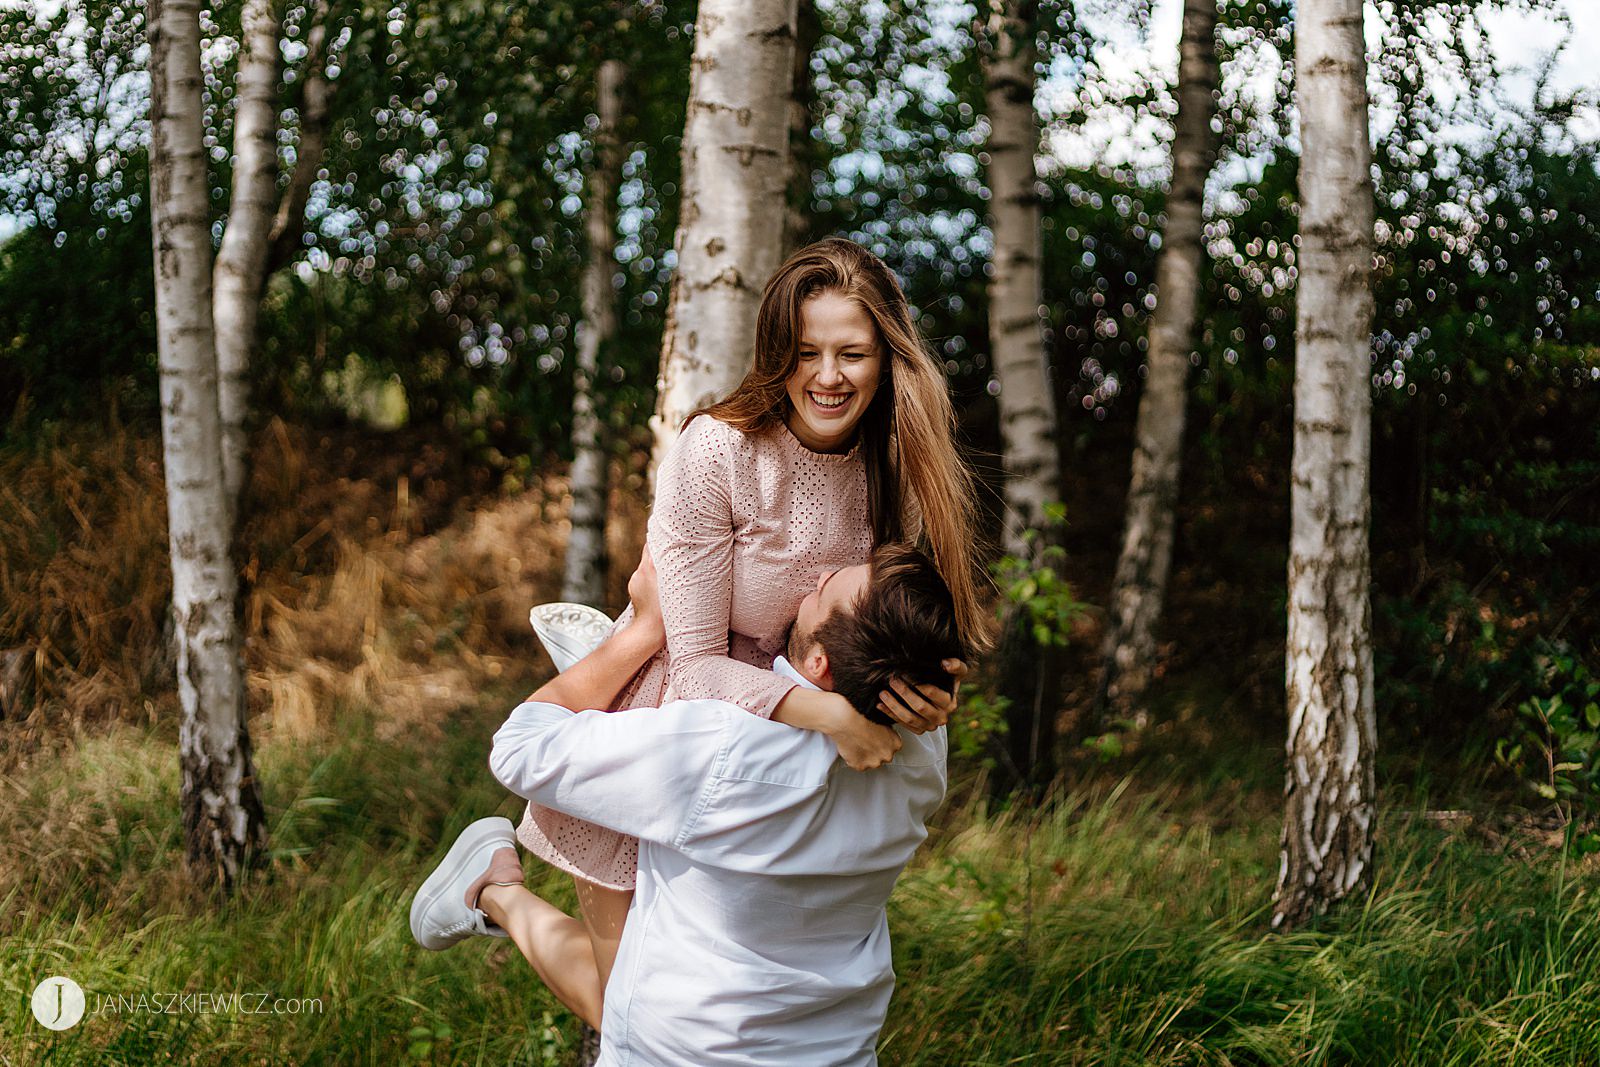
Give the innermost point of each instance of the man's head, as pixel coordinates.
(864, 625)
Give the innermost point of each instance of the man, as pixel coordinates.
(757, 933)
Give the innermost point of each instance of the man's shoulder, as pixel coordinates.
(757, 749)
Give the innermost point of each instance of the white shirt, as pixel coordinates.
(757, 934)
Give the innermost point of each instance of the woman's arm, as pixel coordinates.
(691, 540)
(595, 680)
(863, 745)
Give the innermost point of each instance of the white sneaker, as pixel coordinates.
(440, 916)
(569, 632)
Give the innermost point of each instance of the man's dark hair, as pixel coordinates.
(903, 625)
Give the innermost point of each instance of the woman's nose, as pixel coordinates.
(830, 373)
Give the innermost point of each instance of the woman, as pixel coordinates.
(841, 437)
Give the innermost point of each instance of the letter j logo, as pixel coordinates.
(58, 1003)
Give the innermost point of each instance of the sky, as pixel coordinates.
(1521, 41)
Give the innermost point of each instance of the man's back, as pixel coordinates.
(758, 934)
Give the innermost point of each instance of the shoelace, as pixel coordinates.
(473, 923)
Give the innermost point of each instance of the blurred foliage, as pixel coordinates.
(1014, 718)
(443, 237)
(1556, 749)
(77, 290)
(1037, 587)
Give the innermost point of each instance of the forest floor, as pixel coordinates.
(1125, 923)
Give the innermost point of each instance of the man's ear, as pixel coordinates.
(815, 664)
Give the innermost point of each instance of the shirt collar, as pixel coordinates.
(782, 666)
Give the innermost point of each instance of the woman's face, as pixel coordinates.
(836, 377)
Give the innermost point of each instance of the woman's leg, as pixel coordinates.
(557, 945)
(604, 912)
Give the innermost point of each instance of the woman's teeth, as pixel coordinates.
(829, 401)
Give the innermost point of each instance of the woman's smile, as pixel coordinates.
(830, 405)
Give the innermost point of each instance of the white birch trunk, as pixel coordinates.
(1139, 588)
(222, 813)
(1330, 804)
(583, 580)
(1016, 288)
(730, 226)
(242, 260)
(1031, 673)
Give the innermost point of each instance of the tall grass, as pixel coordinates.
(357, 818)
(1124, 925)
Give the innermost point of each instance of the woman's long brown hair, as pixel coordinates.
(917, 483)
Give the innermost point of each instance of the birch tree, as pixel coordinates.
(584, 577)
(224, 823)
(1016, 287)
(1329, 789)
(241, 268)
(731, 218)
(1139, 586)
(1030, 671)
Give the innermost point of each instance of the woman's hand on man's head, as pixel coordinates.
(920, 708)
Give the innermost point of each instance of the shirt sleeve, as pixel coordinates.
(641, 772)
(691, 539)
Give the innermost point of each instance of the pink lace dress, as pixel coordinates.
(741, 527)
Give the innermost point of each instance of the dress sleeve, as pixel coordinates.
(691, 542)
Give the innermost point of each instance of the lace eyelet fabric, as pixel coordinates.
(741, 527)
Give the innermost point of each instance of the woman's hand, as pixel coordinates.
(920, 708)
(863, 745)
(646, 599)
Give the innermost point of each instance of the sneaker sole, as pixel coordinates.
(472, 839)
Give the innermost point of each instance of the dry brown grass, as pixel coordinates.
(83, 581)
(409, 626)
(369, 581)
